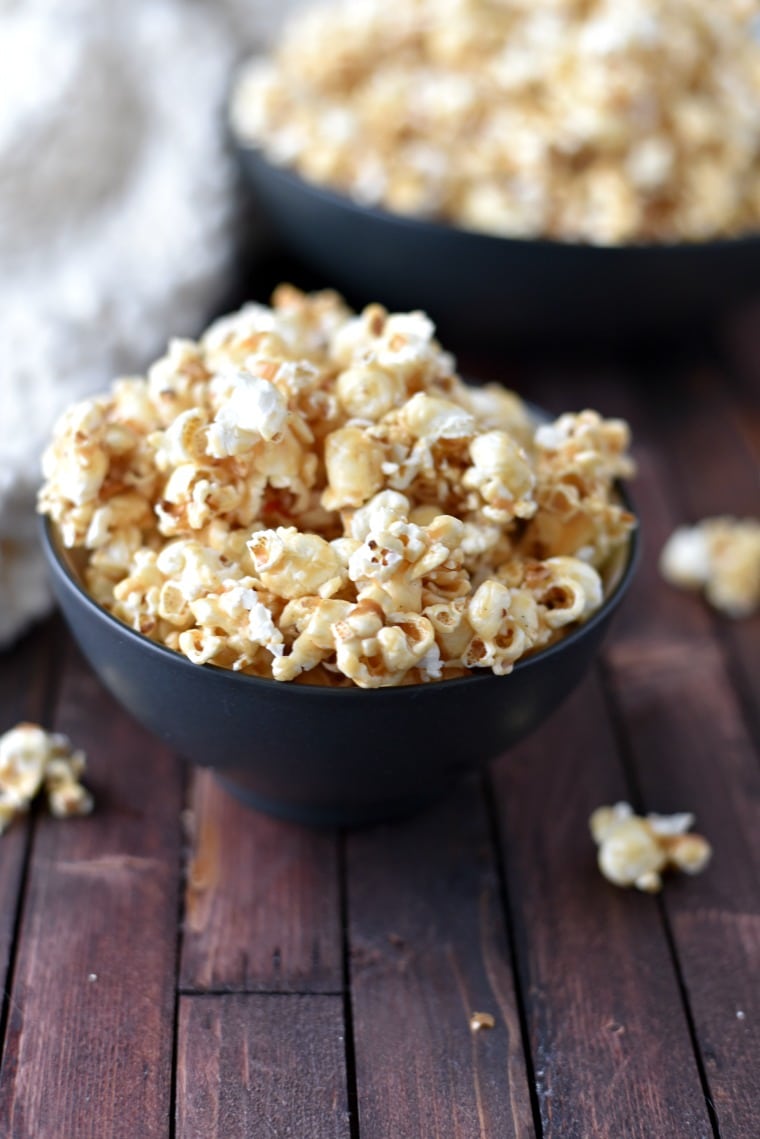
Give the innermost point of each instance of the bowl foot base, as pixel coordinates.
(331, 814)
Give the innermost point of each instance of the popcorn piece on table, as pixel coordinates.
(481, 1020)
(634, 851)
(30, 759)
(720, 555)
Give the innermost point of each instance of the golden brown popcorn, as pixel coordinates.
(505, 625)
(312, 619)
(603, 121)
(30, 759)
(309, 493)
(721, 556)
(481, 1020)
(502, 474)
(293, 564)
(373, 649)
(634, 851)
(577, 456)
(354, 466)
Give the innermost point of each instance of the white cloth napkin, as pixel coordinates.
(116, 202)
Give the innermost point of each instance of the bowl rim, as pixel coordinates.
(435, 228)
(60, 563)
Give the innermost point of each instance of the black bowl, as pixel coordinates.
(342, 756)
(481, 287)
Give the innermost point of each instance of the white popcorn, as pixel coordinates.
(576, 591)
(634, 851)
(31, 758)
(354, 466)
(379, 514)
(251, 409)
(685, 558)
(183, 441)
(502, 473)
(721, 555)
(292, 564)
(79, 472)
(429, 418)
(252, 318)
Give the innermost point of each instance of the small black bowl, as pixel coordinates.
(480, 287)
(342, 756)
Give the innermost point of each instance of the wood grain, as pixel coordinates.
(428, 949)
(610, 1041)
(691, 752)
(629, 1010)
(715, 456)
(687, 737)
(262, 907)
(89, 1042)
(265, 1066)
(26, 685)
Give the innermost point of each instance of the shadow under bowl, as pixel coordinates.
(482, 287)
(324, 756)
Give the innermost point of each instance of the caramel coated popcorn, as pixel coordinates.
(481, 1020)
(312, 495)
(32, 759)
(720, 556)
(602, 121)
(634, 851)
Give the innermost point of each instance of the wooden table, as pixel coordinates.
(177, 965)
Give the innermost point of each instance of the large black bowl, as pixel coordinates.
(483, 287)
(321, 755)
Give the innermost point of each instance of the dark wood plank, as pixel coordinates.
(610, 1039)
(687, 738)
(261, 1066)
(715, 456)
(740, 345)
(691, 752)
(428, 948)
(26, 685)
(89, 1042)
(262, 906)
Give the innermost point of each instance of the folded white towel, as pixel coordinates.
(116, 197)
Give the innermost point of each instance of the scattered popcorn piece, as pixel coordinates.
(720, 555)
(31, 758)
(603, 121)
(481, 1020)
(313, 495)
(634, 851)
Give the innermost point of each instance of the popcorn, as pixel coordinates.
(481, 1020)
(505, 623)
(250, 408)
(369, 391)
(611, 122)
(30, 759)
(501, 472)
(634, 851)
(721, 556)
(292, 564)
(374, 650)
(572, 591)
(354, 468)
(313, 495)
